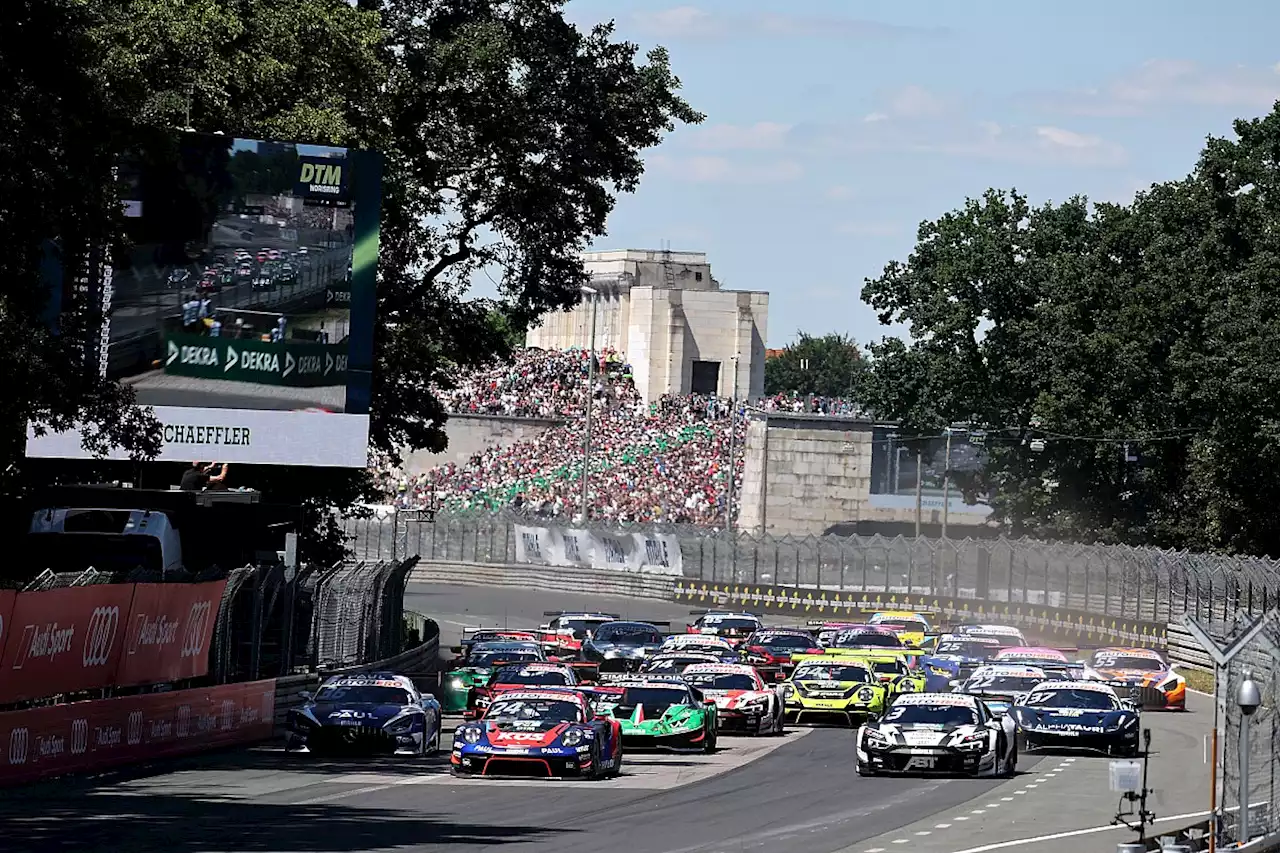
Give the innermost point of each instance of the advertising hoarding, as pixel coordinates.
(245, 299)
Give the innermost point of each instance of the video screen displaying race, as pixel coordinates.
(241, 305)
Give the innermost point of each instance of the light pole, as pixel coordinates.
(591, 391)
(1248, 698)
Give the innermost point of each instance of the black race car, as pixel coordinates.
(1077, 716)
(622, 646)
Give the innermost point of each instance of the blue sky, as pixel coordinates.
(834, 126)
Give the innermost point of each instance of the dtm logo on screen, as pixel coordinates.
(323, 181)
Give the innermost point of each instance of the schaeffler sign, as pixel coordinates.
(170, 631)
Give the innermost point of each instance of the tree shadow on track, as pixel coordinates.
(142, 823)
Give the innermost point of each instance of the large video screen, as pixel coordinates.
(895, 472)
(242, 308)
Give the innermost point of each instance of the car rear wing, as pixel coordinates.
(554, 613)
(588, 670)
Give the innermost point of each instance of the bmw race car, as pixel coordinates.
(521, 675)
(775, 647)
(1000, 685)
(1076, 715)
(734, 627)
(938, 733)
(563, 635)
(744, 701)
(622, 646)
(660, 711)
(474, 670)
(1006, 635)
(377, 712)
(910, 627)
(1141, 675)
(833, 687)
(551, 732)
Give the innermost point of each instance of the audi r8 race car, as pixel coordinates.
(734, 627)
(744, 701)
(622, 646)
(376, 712)
(833, 687)
(1141, 675)
(775, 647)
(660, 711)
(910, 627)
(1030, 655)
(474, 670)
(563, 635)
(1076, 715)
(1006, 635)
(550, 732)
(517, 676)
(1000, 685)
(671, 663)
(938, 733)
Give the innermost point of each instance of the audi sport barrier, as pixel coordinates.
(296, 364)
(89, 637)
(94, 736)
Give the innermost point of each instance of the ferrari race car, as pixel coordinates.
(660, 711)
(622, 646)
(865, 637)
(1076, 715)
(1141, 675)
(474, 669)
(775, 647)
(938, 733)
(734, 627)
(744, 701)
(1000, 685)
(517, 676)
(376, 712)
(1006, 635)
(826, 687)
(563, 635)
(910, 627)
(550, 732)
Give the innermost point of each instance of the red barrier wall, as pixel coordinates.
(85, 737)
(170, 631)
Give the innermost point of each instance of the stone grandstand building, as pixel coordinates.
(666, 312)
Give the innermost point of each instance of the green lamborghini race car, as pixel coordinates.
(659, 711)
(473, 670)
(833, 687)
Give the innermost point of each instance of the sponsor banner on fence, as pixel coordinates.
(64, 640)
(627, 552)
(170, 631)
(95, 736)
(1045, 624)
(296, 364)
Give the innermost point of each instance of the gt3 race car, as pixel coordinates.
(622, 646)
(699, 643)
(660, 711)
(866, 637)
(775, 646)
(1076, 715)
(1030, 655)
(1000, 685)
(744, 701)
(671, 663)
(938, 733)
(734, 627)
(563, 635)
(551, 732)
(960, 655)
(1141, 675)
(828, 686)
(474, 670)
(514, 677)
(471, 636)
(1006, 635)
(376, 712)
(892, 669)
(910, 627)
(825, 630)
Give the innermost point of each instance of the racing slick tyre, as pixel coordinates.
(779, 726)
(616, 770)
(1011, 767)
(597, 772)
(709, 743)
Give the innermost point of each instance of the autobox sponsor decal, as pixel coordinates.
(94, 736)
(62, 640)
(169, 633)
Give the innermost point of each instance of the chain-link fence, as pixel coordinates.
(1121, 581)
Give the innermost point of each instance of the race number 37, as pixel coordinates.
(921, 762)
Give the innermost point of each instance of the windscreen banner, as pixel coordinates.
(85, 737)
(245, 301)
(657, 553)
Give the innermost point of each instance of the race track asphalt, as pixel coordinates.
(755, 796)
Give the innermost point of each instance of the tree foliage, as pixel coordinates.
(1138, 342)
(827, 366)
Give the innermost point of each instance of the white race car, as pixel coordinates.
(697, 643)
(744, 701)
(1007, 635)
(950, 733)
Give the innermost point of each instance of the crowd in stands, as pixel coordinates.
(666, 461)
(810, 405)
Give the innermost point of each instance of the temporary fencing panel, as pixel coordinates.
(632, 552)
(170, 632)
(95, 736)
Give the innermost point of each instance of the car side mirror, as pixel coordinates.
(306, 695)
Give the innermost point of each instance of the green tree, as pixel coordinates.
(827, 366)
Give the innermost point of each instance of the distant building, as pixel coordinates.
(773, 353)
(667, 314)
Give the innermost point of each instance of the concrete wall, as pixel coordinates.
(472, 434)
(805, 474)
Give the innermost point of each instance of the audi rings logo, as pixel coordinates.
(100, 634)
(184, 720)
(79, 737)
(228, 714)
(19, 740)
(197, 627)
(135, 728)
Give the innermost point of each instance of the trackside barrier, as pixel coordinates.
(1185, 650)
(89, 737)
(559, 579)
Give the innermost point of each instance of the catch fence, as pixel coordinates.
(1140, 584)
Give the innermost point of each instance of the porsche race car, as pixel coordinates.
(660, 711)
(1076, 715)
(376, 712)
(522, 675)
(949, 733)
(1141, 675)
(745, 702)
(833, 687)
(866, 637)
(703, 643)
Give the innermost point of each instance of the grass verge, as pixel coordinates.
(1198, 680)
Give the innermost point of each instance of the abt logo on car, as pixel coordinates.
(196, 629)
(19, 744)
(99, 635)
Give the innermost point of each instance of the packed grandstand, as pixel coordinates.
(665, 461)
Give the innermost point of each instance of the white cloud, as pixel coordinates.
(872, 118)
(1168, 83)
(721, 170)
(1067, 138)
(916, 102)
(692, 22)
(839, 193)
(1040, 146)
(764, 135)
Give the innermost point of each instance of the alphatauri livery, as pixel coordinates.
(938, 733)
(375, 712)
(744, 701)
(1076, 715)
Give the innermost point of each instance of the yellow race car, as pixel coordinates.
(833, 687)
(911, 627)
(895, 668)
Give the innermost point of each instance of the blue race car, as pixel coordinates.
(549, 732)
(371, 712)
(955, 657)
(1083, 716)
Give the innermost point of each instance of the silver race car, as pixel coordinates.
(947, 733)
